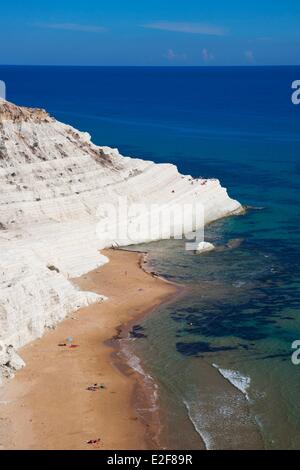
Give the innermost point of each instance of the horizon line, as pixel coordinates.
(152, 66)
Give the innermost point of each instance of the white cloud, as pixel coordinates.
(85, 28)
(249, 56)
(171, 55)
(207, 56)
(192, 28)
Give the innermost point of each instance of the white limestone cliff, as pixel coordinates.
(52, 181)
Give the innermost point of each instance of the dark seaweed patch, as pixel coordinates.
(284, 356)
(193, 349)
(137, 331)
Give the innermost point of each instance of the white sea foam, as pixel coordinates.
(134, 363)
(238, 284)
(238, 380)
(196, 419)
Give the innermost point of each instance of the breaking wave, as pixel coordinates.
(238, 380)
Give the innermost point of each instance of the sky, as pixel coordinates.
(150, 32)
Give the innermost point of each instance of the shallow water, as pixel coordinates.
(224, 350)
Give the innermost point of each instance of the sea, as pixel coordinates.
(221, 353)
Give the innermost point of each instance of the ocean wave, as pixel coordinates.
(238, 380)
(134, 363)
(196, 422)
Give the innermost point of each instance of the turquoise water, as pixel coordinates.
(240, 314)
(221, 354)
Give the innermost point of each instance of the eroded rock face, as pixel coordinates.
(53, 180)
(10, 362)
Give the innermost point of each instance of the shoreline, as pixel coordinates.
(146, 395)
(47, 405)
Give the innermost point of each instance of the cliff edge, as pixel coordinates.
(52, 181)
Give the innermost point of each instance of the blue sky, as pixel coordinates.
(150, 32)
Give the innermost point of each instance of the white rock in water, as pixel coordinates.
(204, 247)
(53, 180)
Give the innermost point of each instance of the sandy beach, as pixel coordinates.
(47, 405)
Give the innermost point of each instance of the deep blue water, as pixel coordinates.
(242, 311)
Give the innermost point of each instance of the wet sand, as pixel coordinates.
(47, 405)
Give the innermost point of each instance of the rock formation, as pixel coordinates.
(53, 180)
(204, 247)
